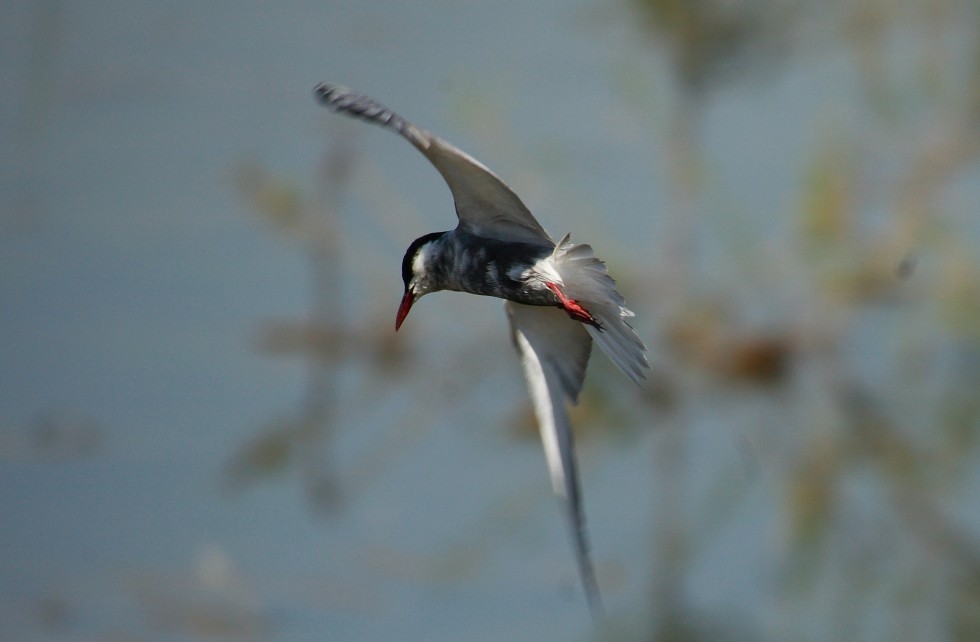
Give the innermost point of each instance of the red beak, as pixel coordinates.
(403, 309)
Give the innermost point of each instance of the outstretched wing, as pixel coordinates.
(554, 352)
(585, 279)
(485, 205)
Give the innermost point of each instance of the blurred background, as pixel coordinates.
(209, 430)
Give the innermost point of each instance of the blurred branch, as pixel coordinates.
(306, 440)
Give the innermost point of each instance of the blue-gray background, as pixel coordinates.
(209, 429)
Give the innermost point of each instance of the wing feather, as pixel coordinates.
(554, 352)
(485, 205)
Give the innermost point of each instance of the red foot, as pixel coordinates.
(572, 308)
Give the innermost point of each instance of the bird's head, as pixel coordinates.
(418, 272)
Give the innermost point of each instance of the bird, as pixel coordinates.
(559, 297)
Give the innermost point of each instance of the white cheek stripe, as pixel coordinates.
(418, 263)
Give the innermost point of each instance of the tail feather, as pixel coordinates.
(585, 279)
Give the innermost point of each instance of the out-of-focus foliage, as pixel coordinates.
(708, 39)
(882, 275)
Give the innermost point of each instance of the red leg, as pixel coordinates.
(572, 307)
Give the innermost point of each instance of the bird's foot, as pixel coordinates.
(572, 307)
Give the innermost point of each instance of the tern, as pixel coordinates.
(558, 296)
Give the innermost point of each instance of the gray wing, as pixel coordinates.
(554, 352)
(485, 205)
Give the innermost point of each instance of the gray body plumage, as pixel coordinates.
(489, 267)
